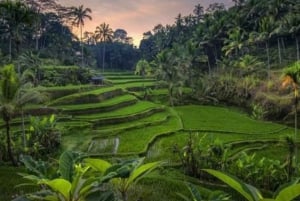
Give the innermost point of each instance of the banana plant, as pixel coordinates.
(286, 193)
(196, 195)
(129, 172)
(76, 181)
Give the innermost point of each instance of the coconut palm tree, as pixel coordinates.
(9, 87)
(13, 95)
(235, 41)
(79, 14)
(292, 78)
(15, 15)
(291, 24)
(103, 34)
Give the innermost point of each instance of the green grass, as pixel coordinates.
(109, 102)
(121, 77)
(135, 85)
(159, 116)
(76, 98)
(9, 179)
(126, 81)
(209, 118)
(143, 136)
(163, 147)
(140, 106)
(97, 92)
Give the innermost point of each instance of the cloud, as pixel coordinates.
(137, 16)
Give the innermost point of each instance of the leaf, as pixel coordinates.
(66, 165)
(195, 193)
(183, 197)
(98, 164)
(61, 186)
(141, 171)
(288, 193)
(246, 190)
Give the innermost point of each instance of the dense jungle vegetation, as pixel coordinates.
(205, 108)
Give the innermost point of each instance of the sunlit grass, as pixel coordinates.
(223, 119)
(143, 136)
(109, 102)
(124, 111)
(154, 119)
(125, 81)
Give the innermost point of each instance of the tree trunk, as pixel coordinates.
(279, 51)
(23, 129)
(36, 43)
(103, 58)
(10, 49)
(283, 46)
(268, 55)
(124, 196)
(295, 134)
(171, 96)
(82, 64)
(297, 46)
(8, 141)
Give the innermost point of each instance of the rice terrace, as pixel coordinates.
(203, 108)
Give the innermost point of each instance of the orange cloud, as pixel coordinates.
(136, 16)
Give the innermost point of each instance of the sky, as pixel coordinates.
(136, 16)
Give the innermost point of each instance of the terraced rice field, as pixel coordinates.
(115, 120)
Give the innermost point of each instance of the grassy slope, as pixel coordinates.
(136, 108)
(210, 118)
(109, 102)
(214, 122)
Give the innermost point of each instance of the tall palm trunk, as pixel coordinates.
(297, 46)
(268, 55)
(103, 57)
(124, 196)
(279, 51)
(36, 43)
(81, 46)
(23, 128)
(8, 141)
(10, 49)
(295, 134)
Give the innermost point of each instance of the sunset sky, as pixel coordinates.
(137, 16)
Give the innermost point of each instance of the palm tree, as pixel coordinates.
(292, 78)
(9, 87)
(80, 14)
(13, 95)
(15, 16)
(103, 34)
(291, 24)
(266, 26)
(235, 41)
(172, 68)
(199, 12)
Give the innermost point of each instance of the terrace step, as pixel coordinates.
(61, 91)
(89, 97)
(124, 81)
(124, 118)
(124, 77)
(132, 126)
(97, 108)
